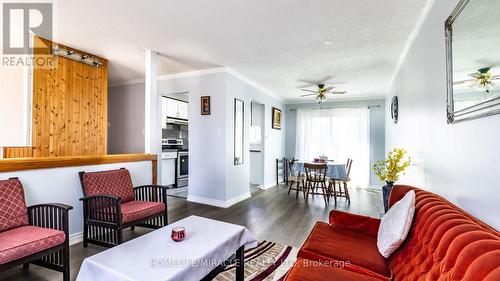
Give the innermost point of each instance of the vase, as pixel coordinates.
(386, 192)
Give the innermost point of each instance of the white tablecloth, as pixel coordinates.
(154, 256)
(333, 171)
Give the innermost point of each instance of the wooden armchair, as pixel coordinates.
(316, 179)
(296, 178)
(37, 234)
(342, 182)
(111, 204)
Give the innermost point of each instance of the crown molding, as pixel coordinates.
(202, 72)
(127, 82)
(193, 73)
(252, 83)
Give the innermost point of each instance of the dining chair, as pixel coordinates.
(316, 180)
(342, 182)
(296, 178)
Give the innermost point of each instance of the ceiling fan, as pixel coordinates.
(481, 80)
(322, 92)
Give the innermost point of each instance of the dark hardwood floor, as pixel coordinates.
(270, 215)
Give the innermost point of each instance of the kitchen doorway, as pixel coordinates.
(175, 153)
(257, 137)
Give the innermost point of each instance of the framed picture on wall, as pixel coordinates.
(205, 105)
(276, 118)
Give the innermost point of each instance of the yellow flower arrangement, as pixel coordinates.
(388, 170)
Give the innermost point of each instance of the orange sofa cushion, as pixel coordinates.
(306, 270)
(445, 243)
(357, 249)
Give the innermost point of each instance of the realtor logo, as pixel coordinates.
(22, 19)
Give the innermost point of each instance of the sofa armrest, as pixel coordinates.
(53, 215)
(151, 193)
(355, 222)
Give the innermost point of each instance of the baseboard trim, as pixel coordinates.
(218, 203)
(75, 238)
(238, 199)
(268, 185)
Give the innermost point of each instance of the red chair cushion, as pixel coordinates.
(115, 182)
(358, 250)
(135, 210)
(13, 211)
(26, 240)
(307, 270)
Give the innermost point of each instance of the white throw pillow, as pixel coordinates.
(395, 225)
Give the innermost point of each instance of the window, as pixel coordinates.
(339, 134)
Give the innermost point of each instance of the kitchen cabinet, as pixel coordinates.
(163, 113)
(176, 108)
(168, 168)
(183, 110)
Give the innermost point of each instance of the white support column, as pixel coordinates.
(152, 126)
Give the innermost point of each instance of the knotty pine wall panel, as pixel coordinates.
(17, 152)
(69, 106)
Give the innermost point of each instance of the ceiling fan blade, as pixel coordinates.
(464, 81)
(308, 83)
(307, 95)
(307, 90)
(315, 82)
(329, 89)
(496, 77)
(338, 93)
(476, 75)
(325, 79)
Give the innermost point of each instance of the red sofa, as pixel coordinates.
(444, 243)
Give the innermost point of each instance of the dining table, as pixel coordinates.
(333, 170)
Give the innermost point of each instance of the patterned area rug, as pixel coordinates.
(267, 262)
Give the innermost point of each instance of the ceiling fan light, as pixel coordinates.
(484, 87)
(320, 99)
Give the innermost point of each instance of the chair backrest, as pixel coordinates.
(13, 211)
(290, 166)
(114, 182)
(444, 242)
(315, 172)
(348, 167)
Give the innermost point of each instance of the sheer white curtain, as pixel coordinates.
(338, 133)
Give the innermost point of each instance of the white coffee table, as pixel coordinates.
(154, 256)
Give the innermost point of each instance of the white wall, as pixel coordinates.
(214, 179)
(126, 119)
(207, 135)
(12, 107)
(238, 177)
(62, 185)
(460, 161)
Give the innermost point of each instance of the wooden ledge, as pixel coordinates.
(21, 164)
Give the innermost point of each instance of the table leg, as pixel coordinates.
(240, 264)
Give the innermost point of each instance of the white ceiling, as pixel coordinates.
(274, 43)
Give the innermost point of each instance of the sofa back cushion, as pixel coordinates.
(115, 182)
(13, 211)
(444, 243)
